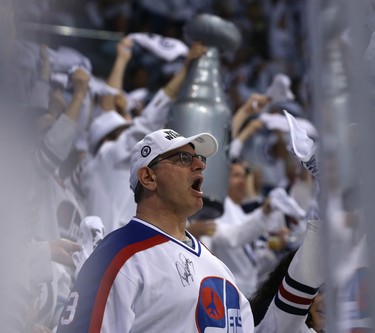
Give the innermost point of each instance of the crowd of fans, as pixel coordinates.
(274, 38)
(78, 108)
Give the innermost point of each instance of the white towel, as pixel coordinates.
(166, 48)
(302, 146)
(97, 87)
(280, 200)
(275, 121)
(63, 59)
(92, 232)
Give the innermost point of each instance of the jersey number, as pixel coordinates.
(70, 309)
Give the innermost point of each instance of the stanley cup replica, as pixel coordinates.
(201, 105)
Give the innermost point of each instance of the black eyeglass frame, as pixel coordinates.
(181, 155)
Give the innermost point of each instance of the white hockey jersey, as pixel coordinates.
(140, 279)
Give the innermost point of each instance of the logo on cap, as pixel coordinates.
(170, 135)
(145, 151)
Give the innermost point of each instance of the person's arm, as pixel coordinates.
(253, 127)
(62, 250)
(239, 139)
(58, 141)
(42, 253)
(251, 229)
(116, 76)
(80, 79)
(252, 106)
(154, 115)
(289, 308)
(172, 88)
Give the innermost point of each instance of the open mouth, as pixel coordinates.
(196, 186)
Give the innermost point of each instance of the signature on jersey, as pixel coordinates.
(185, 268)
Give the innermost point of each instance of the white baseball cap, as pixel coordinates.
(163, 141)
(103, 125)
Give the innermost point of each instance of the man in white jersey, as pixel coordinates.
(152, 275)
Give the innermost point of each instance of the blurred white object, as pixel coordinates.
(97, 87)
(275, 121)
(136, 97)
(166, 48)
(92, 232)
(64, 58)
(104, 124)
(280, 200)
(369, 55)
(303, 146)
(279, 90)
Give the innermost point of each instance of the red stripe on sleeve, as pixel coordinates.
(110, 275)
(294, 298)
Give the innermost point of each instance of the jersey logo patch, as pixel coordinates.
(212, 304)
(218, 307)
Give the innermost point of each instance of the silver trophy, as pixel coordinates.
(202, 107)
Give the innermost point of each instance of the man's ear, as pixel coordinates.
(147, 178)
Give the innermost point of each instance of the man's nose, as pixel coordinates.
(198, 164)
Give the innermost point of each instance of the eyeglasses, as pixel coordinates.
(185, 158)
